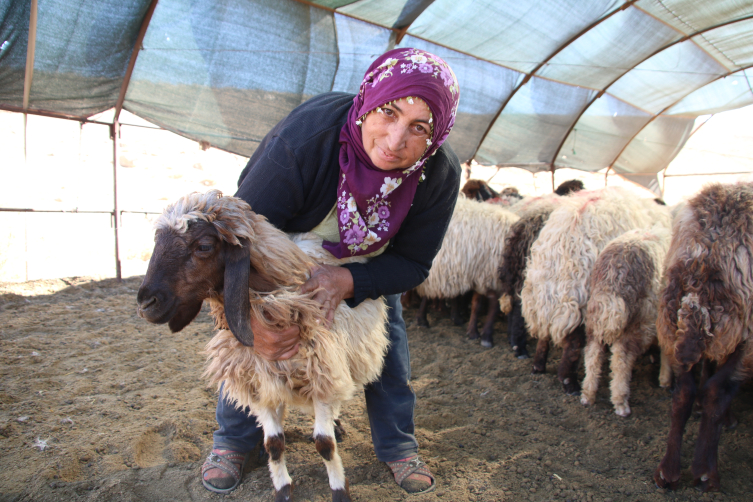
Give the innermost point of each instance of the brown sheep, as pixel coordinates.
(621, 311)
(706, 313)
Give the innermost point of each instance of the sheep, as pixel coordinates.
(212, 247)
(706, 314)
(533, 215)
(555, 289)
(473, 189)
(468, 260)
(508, 197)
(478, 190)
(621, 312)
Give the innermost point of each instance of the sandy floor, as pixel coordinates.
(97, 404)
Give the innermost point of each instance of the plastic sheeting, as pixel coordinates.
(589, 84)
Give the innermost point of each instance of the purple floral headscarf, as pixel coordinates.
(372, 203)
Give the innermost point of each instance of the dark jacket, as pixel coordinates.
(292, 180)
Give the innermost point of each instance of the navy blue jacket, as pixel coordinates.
(292, 180)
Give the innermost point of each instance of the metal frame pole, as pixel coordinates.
(115, 135)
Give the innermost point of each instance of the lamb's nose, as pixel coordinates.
(147, 304)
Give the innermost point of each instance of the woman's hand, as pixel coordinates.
(335, 284)
(275, 345)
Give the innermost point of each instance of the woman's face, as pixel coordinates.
(395, 138)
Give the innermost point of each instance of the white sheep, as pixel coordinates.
(533, 213)
(209, 246)
(469, 260)
(555, 290)
(621, 312)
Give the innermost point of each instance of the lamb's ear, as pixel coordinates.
(237, 308)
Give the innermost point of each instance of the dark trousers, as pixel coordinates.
(389, 401)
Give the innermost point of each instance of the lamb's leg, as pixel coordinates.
(703, 376)
(473, 321)
(516, 328)
(274, 443)
(455, 316)
(665, 371)
(667, 475)
(567, 373)
(324, 438)
(491, 317)
(406, 299)
(421, 315)
(624, 354)
(539, 360)
(716, 395)
(594, 358)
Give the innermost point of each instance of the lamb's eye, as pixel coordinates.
(205, 247)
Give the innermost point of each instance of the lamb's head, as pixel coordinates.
(201, 249)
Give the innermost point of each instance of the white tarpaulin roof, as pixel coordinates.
(587, 84)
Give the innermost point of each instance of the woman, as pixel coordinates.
(369, 175)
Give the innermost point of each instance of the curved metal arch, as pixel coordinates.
(601, 93)
(611, 165)
(545, 61)
(30, 52)
(335, 11)
(132, 61)
(407, 17)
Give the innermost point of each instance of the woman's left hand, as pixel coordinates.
(335, 284)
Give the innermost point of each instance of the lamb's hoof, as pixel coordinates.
(284, 494)
(622, 410)
(537, 370)
(343, 494)
(520, 353)
(472, 334)
(457, 321)
(571, 387)
(730, 421)
(421, 321)
(487, 343)
(706, 483)
(667, 482)
(586, 401)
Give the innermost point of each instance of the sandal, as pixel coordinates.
(402, 469)
(225, 462)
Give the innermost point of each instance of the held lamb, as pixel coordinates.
(621, 312)
(469, 261)
(706, 314)
(555, 290)
(212, 247)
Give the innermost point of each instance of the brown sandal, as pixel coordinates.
(402, 469)
(225, 462)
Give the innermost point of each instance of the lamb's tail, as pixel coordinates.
(693, 326)
(505, 304)
(607, 317)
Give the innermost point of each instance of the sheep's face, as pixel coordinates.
(184, 269)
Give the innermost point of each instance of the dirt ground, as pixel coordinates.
(97, 404)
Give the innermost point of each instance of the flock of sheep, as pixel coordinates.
(591, 270)
(580, 269)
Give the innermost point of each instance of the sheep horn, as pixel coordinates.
(237, 308)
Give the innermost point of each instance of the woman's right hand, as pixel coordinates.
(275, 345)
